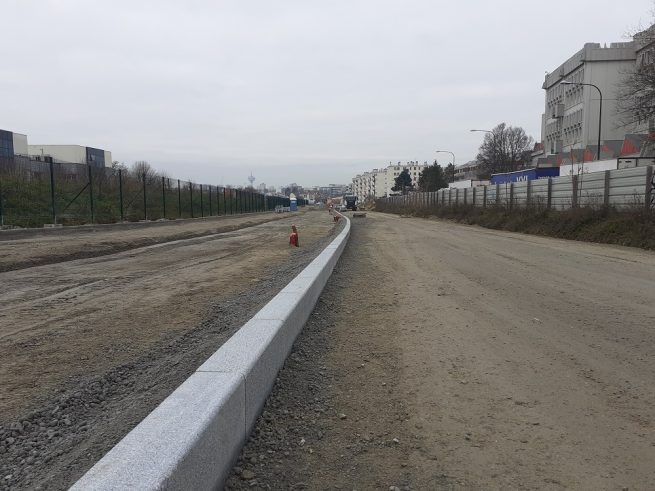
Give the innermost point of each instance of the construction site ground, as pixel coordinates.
(99, 324)
(445, 356)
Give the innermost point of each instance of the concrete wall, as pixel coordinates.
(190, 441)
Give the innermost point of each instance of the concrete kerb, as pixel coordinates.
(191, 440)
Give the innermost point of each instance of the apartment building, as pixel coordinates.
(570, 118)
(379, 182)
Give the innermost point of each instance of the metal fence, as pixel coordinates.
(34, 193)
(621, 189)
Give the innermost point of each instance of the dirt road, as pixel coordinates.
(463, 358)
(90, 346)
(31, 247)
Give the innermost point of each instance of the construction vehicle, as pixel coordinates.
(351, 202)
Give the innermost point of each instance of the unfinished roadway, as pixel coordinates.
(99, 324)
(444, 356)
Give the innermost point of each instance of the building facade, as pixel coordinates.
(378, 183)
(468, 171)
(75, 154)
(570, 119)
(12, 144)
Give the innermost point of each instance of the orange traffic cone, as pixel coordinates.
(293, 238)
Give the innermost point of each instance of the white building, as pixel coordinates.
(75, 154)
(378, 182)
(570, 119)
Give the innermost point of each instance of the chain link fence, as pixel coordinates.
(35, 193)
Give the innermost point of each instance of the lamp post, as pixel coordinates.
(451, 153)
(600, 108)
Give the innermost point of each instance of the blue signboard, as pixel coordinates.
(525, 175)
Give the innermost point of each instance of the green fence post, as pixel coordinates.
(209, 189)
(163, 195)
(52, 193)
(145, 198)
(191, 195)
(91, 190)
(120, 193)
(179, 199)
(202, 208)
(2, 214)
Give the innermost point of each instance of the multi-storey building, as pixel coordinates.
(379, 182)
(334, 190)
(469, 170)
(570, 119)
(368, 184)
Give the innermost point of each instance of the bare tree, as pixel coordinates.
(505, 149)
(636, 92)
(116, 165)
(142, 168)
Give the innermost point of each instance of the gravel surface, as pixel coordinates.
(67, 432)
(336, 418)
(444, 356)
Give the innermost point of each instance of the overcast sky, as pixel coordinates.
(294, 91)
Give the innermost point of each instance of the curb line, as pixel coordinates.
(191, 440)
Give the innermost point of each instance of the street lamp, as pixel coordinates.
(600, 107)
(484, 131)
(451, 153)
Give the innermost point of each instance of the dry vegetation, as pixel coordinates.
(634, 227)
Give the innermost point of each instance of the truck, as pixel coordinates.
(351, 202)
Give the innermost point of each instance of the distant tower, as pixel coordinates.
(251, 178)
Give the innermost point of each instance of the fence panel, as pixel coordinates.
(627, 187)
(520, 193)
(591, 189)
(502, 196)
(34, 193)
(539, 192)
(562, 193)
(491, 195)
(623, 188)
